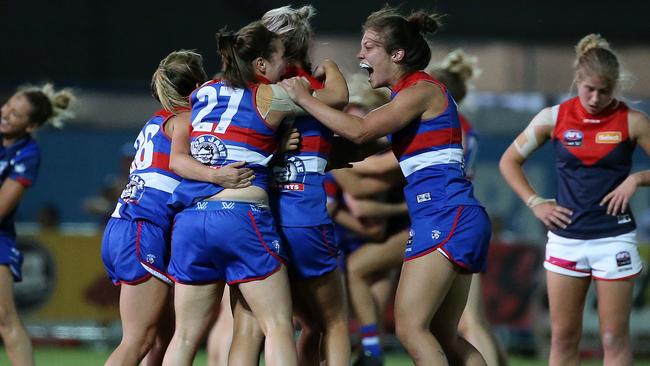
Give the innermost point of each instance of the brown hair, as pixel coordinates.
(48, 104)
(176, 77)
(294, 28)
(594, 57)
(405, 33)
(238, 50)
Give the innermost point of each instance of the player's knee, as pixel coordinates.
(614, 339)
(565, 339)
(8, 318)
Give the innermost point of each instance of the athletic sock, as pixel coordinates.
(370, 340)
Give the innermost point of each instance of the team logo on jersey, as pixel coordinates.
(623, 258)
(573, 137)
(133, 190)
(609, 137)
(290, 175)
(209, 150)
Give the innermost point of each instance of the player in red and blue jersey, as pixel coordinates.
(300, 204)
(450, 231)
(135, 246)
(455, 72)
(591, 228)
(228, 235)
(20, 158)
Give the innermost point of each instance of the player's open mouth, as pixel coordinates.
(366, 66)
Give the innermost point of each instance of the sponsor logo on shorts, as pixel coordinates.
(623, 219)
(151, 258)
(435, 234)
(573, 138)
(409, 242)
(423, 197)
(276, 245)
(201, 205)
(609, 137)
(623, 258)
(227, 205)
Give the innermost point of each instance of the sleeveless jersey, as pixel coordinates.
(298, 193)
(226, 128)
(20, 162)
(430, 154)
(151, 182)
(593, 155)
(471, 144)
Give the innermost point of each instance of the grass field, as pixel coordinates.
(69, 356)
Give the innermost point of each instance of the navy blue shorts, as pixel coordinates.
(312, 250)
(12, 257)
(224, 241)
(133, 251)
(462, 234)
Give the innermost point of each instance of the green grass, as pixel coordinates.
(86, 356)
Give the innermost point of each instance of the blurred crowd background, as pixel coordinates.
(107, 51)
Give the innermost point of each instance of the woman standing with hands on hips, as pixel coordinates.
(591, 229)
(450, 231)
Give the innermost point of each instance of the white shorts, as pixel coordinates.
(611, 258)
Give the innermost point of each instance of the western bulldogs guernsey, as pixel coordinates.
(20, 162)
(298, 191)
(593, 156)
(151, 182)
(430, 154)
(227, 128)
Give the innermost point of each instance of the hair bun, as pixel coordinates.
(457, 62)
(591, 41)
(306, 12)
(425, 23)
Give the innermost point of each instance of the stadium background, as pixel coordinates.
(108, 51)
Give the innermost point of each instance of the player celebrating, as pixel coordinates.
(27, 110)
(450, 231)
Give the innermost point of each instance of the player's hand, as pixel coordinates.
(290, 140)
(296, 87)
(618, 199)
(552, 215)
(234, 175)
(321, 70)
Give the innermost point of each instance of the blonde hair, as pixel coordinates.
(48, 104)
(594, 57)
(176, 77)
(363, 95)
(455, 71)
(294, 28)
